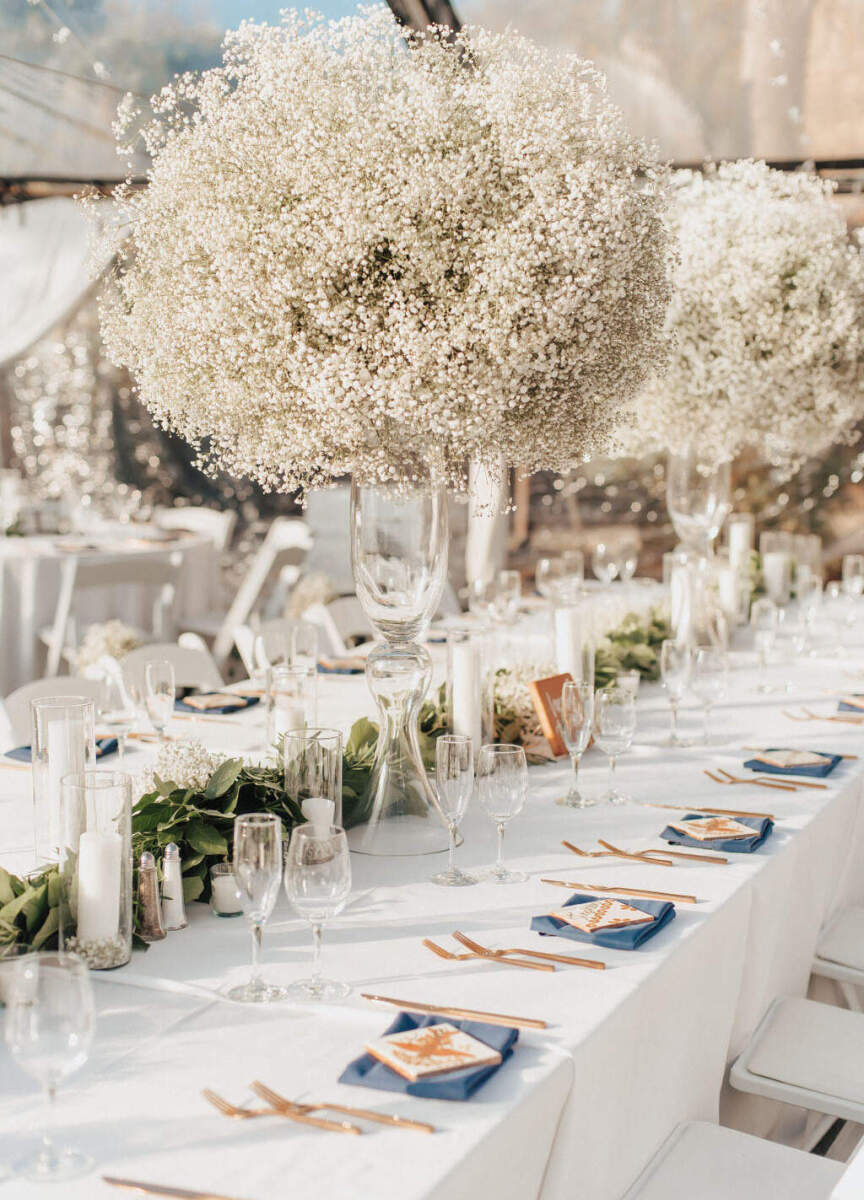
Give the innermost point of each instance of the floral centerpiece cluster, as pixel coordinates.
(111, 639)
(766, 320)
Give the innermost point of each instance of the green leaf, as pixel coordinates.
(222, 778)
(10, 912)
(193, 886)
(363, 736)
(7, 892)
(204, 838)
(49, 927)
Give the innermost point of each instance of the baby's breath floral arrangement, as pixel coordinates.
(767, 320)
(353, 255)
(111, 639)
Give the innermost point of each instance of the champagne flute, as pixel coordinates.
(49, 1030)
(763, 619)
(604, 563)
(675, 665)
(159, 693)
(454, 783)
(116, 710)
(258, 874)
(710, 681)
(576, 724)
(502, 774)
(318, 884)
(614, 726)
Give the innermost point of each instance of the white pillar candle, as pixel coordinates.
(777, 575)
(318, 811)
(66, 755)
(100, 857)
(728, 589)
(466, 691)
(740, 534)
(681, 603)
(572, 642)
(287, 718)
(226, 898)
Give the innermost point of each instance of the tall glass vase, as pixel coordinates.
(399, 560)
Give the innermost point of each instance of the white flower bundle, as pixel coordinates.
(353, 255)
(766, 318)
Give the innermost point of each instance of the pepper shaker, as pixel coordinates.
(150, 915)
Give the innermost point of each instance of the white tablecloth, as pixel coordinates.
(629, 1053)
(30, 575)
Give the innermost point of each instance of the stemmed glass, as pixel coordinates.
(604, 563)
(614, 726)
(454, 783)
(576, 724)
(697, 497)
(626, 560)
(506, 597)
(675, 666)
(480, 596)
(318, 884)
(502, 781)
(159, 693)
(547, 576)
(710, 681)
(116, 709)
(763, 620)
(257, 874)
(853, 575)
(49, 1029)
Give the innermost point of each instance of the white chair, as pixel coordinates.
(708, 1162)
(158, 574)
(341, 619)
(245, 637)
(215, 524)
(17, 703)
(840, 954)
(192, 666)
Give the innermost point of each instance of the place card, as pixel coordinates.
(215, 700)
(546, 697)
(602, 914)
(431, 1050)
(706, 829)
(792, 758)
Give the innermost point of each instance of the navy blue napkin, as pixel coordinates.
(104, 747)
(322, 670)
(367, 1071)
(761, 827)
(816, 771)
(246, 702)
(626, 937)
(856, 708)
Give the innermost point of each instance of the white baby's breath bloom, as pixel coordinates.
(353, 256)
(186, 762)
(767, 319)
(112, 639)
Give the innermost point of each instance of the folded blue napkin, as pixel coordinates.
(845, 706)
(627, 937)
(367, 1071)
(104, 747)
(761, 827)
(816, 771)
(322, 670)
(241, 706)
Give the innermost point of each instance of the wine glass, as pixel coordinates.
(576, 724)
(480, 595)
(258, 874)
(697, 497)
(763, 621)
(502, 781)
(304, 646)
(604, 563)
(318, 884)
(791, 635)
(853, 575)
(272, 648)
(49, 1030)
(454, 783)
(159, 693)
(675, 665)
(506, 597)
(116, 710)
(547, 575)
(627, 559)
(614, 726)
(710, 681)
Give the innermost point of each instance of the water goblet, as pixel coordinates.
(318, 884)
(604, 563)
(257, 874)
(502, 783)
(49, 1030)
(480, 596)
(454, 783)
(547, 575)
(159, 693)
(506, 597)
(675, 667)
(576, 724)
(116, 710)
(614, 726)
(710, 681)
(763, 621)
(627, 559)
(853, 575)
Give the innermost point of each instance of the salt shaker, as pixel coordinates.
(149, 913)
(173, 908)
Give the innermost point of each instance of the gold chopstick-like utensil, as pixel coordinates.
(644, 893)
(160, 1189)
(660, 862)
(211, 720)
(459, 1014)
(811, 716)
(716, 812)
(502, 962)
(14, 766)
(782, 787)
(364, 1114)
(594, 963)
(717, 859)
(234, 1110)
(663, 854)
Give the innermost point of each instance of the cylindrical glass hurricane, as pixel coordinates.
(313, 766)
(96, 868)
(62, 742)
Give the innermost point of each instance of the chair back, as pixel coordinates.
(193, 667)
(215, 524)
(17, 703)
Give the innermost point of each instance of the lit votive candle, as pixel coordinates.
(224, 896)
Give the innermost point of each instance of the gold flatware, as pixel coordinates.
(648, 855)
(364, 1114)
(593, 963)
(761, 750)
(15, 766)
(716, 812)
(211, 720)
(783, 787)
(804, 783)
(502, 962)
(717, 859)
(244, 1114)
(459, 1014)
(811, 716)
(160, 1189)
(615, 850)
(644, 893)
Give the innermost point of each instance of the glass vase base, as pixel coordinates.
(614, 796)
(576, 799)
(322, 991)
(256, 993)
(454, 878)
(54, 1165)
(498, 874)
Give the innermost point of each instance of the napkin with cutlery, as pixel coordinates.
(729, 838)
(617, 937)
(814, 763)
(104, 747)
(215, 702)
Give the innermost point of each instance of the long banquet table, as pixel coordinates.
(629, 1052)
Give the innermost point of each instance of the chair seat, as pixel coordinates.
(707, 1162)
(808, 1054)
(207, 624)
(840, 949)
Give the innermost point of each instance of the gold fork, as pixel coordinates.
(593, 963)
(662, 855)
(502, 962)
(811, 716)
(784, 787)
(365, 1114)
(614, 852)
(243, 1114)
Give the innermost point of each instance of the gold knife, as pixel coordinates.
(159, 1189)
